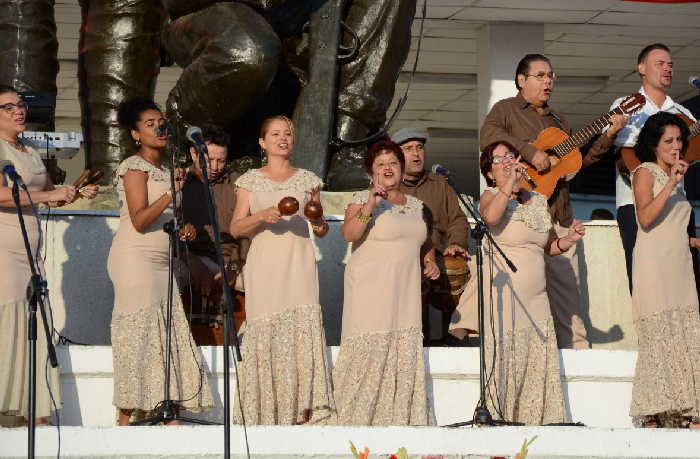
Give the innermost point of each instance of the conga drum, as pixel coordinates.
(444, 292)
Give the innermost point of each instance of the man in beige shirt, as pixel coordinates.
(518, 120)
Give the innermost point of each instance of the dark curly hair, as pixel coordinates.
(486, 159)
(129, 111)
(382, 145)
(4, 89)
(214, 134)
(651, 133)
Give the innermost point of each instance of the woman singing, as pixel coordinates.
(284, 375)
(379, 378)
(138, 268)
(666, 391)
(524, 377)
(14, 266)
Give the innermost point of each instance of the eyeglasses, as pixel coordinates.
(10, 107)
(542, 76)
(503, 158)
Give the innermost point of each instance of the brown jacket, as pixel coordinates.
(449, 225)
(517, 122)
(195, 211)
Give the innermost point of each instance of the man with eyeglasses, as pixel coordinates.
(519, 120)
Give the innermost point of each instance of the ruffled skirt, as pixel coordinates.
(284, 375)
(14, 365)
(139, 351)
(526, 382)
(667, 375)
(379, 379)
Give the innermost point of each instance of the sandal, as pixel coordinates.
(651, 422)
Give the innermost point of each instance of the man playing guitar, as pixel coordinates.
(518, 120)
(655, 68)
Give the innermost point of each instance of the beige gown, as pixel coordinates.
(14, 278)
(284, 375)
(526, 386)
(665, 308)
(138, 268)
(379, 377)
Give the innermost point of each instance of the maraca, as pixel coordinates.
(288, 206)
(314, 212)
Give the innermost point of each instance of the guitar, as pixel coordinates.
(563, 150)
(692, 153)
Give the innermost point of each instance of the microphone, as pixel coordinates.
(8, 168)
(162, 128)
(694, 81)
(439, 169)
(194, 135)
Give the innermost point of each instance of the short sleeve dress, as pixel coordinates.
(138, 268)
(285, 377)
(379, 377)
(527, 384)
(14, 266)
(665, 308)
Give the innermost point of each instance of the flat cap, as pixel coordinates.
(406, 134)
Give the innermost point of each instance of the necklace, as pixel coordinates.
(17, 144)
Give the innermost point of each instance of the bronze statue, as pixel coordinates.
(242, 60)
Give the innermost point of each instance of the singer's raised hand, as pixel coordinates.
(377, 192)
(678, 170)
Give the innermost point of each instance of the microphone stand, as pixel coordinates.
(229, 321)
(482, 415)
(167, 409)
(36, 292)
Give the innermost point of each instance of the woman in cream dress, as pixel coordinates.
(138, 268)
(524, 378)
(379, 378)
(666, 390)
(14, 266)
(284, 375)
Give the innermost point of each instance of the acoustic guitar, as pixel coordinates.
(692, 153)
(563, 150)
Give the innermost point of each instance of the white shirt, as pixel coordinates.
(627, 137)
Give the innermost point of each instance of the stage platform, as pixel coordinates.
(597, 389)
(180, 442)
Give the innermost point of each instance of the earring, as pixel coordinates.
(138, 142)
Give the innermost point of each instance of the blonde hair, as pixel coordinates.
(265, 126)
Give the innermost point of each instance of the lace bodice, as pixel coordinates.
(136, 162)
(534, 215)
(661, 178)
(413, 204)
(302, 180)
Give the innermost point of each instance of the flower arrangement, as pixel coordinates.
(403, 454)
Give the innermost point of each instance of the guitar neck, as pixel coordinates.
(582, 136)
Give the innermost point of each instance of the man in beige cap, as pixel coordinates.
(449, 226)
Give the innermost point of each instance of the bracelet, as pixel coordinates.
(363, 218)
(559, 247)
(503, 193)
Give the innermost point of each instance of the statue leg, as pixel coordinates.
(229, 54)
(118, 60)
(367, 83)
